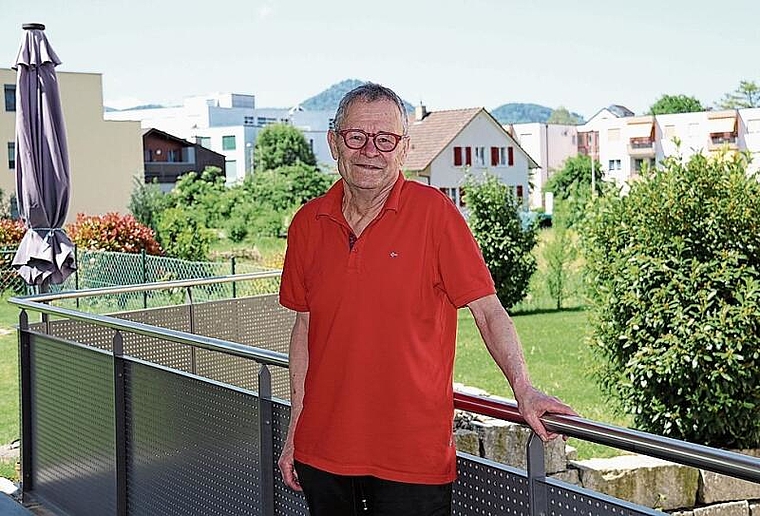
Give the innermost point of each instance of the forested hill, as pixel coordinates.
(524, 113)
(328, 99)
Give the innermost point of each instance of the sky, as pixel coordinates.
(446, 54)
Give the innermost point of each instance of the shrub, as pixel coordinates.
(674, 279)
(183, 235)
(11, 232)
(146, 203)
(505, 244)
(112, 232)
(237, 229)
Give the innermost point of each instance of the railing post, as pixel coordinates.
(120, 408)
(144, 276)
(191, 317)
(25, 400)
(76, 271)
(266, 441)
(536, 476)
(234, 285)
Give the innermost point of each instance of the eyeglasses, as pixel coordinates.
(356, 139)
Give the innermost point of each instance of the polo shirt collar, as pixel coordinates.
(333, 199)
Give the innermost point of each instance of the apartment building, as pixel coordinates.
(104, 156)
(446, 146)
(228, 123)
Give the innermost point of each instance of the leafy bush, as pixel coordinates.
(11, 232)
(237, 229)
(280, 145)
(287, 187)
(571, 186)
(112, 232)
(505, 244)
(202, 193)
(146, 203)
(183, 234)
(674, 278)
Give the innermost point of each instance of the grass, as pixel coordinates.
(9, 411)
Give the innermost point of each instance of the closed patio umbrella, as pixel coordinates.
(46, 254)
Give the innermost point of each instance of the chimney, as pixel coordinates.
(420, 112)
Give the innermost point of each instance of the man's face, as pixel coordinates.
(368, 168)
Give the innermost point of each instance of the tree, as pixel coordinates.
(562, 116)
(673, 272)
(747, 95)
(675, 104)
(506, 245)
(146, 203)
(571, 186)
(280, 145)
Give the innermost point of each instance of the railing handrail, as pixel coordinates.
(719, 461)
(145, 287)
(689, 454)
(263, 356)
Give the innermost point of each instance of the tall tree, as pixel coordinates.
(747, 95)
(562, 116)
(281, 145)
(675, 104)
(571, 186)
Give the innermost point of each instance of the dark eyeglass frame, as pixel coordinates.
(396, 138)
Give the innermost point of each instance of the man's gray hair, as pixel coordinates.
(369, 92)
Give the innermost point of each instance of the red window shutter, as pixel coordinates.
(520, 192)
(510, 156)
(468, 156)
(457, 156)
(494, 156)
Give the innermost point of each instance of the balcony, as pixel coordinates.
(157, 408)
(723, 140)
(641, 147)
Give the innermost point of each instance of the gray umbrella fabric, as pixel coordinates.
(46, 254)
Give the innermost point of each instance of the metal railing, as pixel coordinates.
(146, 447)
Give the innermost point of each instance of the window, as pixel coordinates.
(638, 164)
(510, 156)
(462, 158)
(10, 97)
(174, 156)
(12, 155)
(264, 121)
(613, 135)
(228, 143)
(249, 120)
(614, 164)
(203, 141)
(753, 126)
(480, 156)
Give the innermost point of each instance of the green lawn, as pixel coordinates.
(9, 413)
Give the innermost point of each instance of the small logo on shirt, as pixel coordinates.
(394, 254)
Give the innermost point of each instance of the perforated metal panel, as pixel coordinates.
(568, 499)
(193, 445)
(286, 501)
(73, 427)
(263, 323)
(76, 331)
(157, 351)
(488, 488)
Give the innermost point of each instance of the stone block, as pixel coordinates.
(724, 509)
(467, 441)
(571, 476)
(754, 509)
(507, 443)
(682, 513)
(714, 487)
(642, 480)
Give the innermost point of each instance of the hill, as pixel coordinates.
(329, 99)
(524, 113)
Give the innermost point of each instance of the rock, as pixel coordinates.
(642, 480)
(682, 513)
(467, 441)
(714, 487)
(571, 476)
(507, 443)
(754, 509)
(724, 509)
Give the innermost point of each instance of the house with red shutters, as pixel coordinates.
(447, 146)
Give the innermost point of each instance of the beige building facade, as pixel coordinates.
(104, 156)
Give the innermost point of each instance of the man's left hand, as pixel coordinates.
(533, 404)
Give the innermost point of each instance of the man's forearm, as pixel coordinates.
(299, 363)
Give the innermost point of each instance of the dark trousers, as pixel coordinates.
(337, 495)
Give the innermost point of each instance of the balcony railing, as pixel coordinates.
(183, 409)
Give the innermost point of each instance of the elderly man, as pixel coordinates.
(376, 270)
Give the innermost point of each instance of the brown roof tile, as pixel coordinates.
(430, 136)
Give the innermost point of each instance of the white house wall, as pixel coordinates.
(481, 132)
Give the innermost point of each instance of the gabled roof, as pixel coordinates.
(166, 136)
(430, 136)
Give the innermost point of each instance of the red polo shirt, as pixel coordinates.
(382, 332)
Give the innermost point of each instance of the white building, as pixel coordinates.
(228, 123)
(445, 146)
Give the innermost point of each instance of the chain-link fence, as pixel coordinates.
(97, 269)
